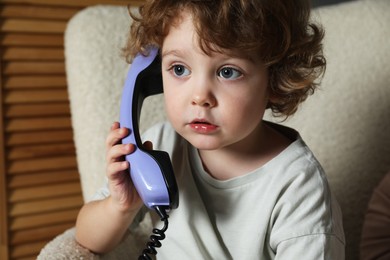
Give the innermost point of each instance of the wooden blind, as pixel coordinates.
(40, 190)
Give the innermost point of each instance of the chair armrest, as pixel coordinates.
(64, 246)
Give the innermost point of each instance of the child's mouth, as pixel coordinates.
(202, 126)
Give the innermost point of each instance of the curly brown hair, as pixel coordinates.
(278, 32)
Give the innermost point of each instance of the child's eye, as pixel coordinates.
(180, 70)
(229, 73)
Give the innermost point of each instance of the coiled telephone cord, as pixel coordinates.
(159, 235)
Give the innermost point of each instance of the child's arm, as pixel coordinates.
(102, 224)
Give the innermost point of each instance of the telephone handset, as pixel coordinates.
(151, 171)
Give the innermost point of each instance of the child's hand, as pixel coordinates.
(123, 193)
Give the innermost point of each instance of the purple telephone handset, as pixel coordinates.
(150, 170)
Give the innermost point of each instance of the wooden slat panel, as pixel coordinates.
(37, 110)
(40, 192)
(25, 250)
(22, 67)
(4, 239)
(42, 164)
(35, 96)
(36, 151)
(48, 205)
(25, 39)
(33, 257)
(40, 137)
(31, 235)
(40, 220)
(33, 124)
(35, 81)
(31, 39)
(41, 12)
(35, 54)
(32, 26)
(43, 178)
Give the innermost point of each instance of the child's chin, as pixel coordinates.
(205, 145)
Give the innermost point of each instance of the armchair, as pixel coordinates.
(346, 123)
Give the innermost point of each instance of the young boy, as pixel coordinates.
(249, 189)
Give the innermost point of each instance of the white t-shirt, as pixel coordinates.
(282, 210)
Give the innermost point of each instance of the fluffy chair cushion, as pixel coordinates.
(65, 247)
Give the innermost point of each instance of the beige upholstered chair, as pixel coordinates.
(346, 123)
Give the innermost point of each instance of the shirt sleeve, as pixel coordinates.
(307, 220)
(311, 247)
(102, 193)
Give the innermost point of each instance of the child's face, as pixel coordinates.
(215, 101)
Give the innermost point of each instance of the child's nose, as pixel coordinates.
(203, 97)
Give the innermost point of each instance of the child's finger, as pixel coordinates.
(148, 145)
(116, 167)
(115, 136)
(115, 125)
(116, 152)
